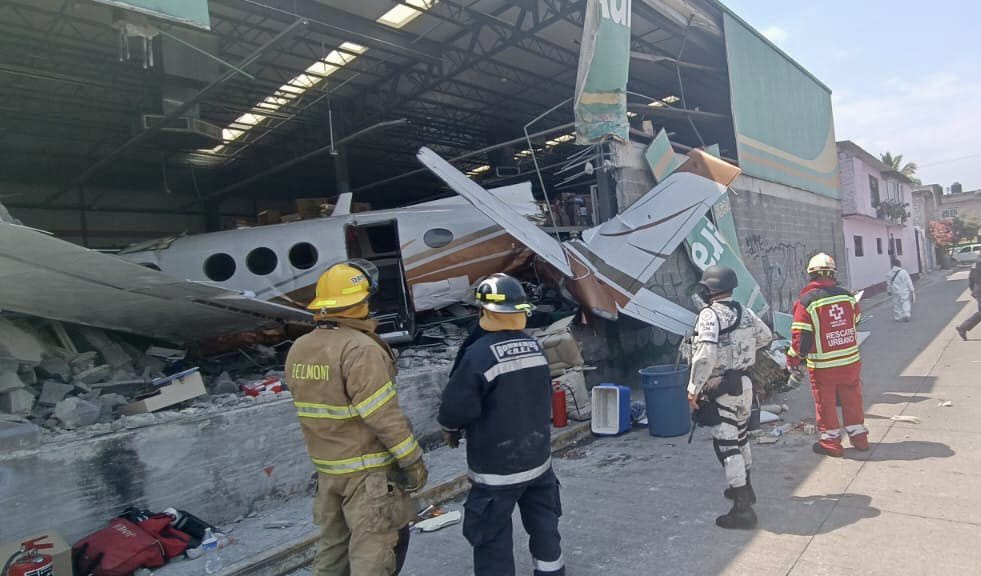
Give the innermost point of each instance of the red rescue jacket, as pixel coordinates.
(825, 330)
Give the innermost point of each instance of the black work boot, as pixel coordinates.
(749, 486)
(741, 517)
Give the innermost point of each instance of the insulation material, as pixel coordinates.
(437, 295)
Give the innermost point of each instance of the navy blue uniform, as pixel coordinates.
(500, 394)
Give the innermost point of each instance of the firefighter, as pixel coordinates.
(725, 341)
(824, 334)
(499, 396)
(341, 376)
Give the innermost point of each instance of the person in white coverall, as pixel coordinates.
(900, 287)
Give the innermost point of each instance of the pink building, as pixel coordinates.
(875, 206)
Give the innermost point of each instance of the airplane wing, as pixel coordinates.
(638, 240)
(43, 276)
(517, 225)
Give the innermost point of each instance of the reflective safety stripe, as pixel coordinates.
(376, 400)
(830, 300)
(553, 566)
(510, 479)
(801, 326)
(312, 410)
(850, 351)
(830, 435)
(514, 365)
(856, 429)
(405, 447)
(353, 290)
(792, 353)
(848, 361)
(350, 465)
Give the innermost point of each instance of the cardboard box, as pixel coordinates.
(62, 552)
(172, 390)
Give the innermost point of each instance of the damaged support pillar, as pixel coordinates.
(606, 186)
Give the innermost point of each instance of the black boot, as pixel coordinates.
(741, 517)
(749, 486)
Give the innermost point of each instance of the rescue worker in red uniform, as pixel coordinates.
(824, 335)
(368, 462)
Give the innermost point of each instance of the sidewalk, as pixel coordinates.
(260, 549)
(642, 505)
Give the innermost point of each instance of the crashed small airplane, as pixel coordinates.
(610, 270)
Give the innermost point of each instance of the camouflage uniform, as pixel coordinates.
(725, 341)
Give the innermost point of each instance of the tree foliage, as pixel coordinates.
(896, 163)
(964, 229)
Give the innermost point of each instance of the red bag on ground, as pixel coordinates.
(119, 549)
(174, 541)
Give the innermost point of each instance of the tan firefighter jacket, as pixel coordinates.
(341, 377)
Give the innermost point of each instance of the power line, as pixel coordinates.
(949, 160)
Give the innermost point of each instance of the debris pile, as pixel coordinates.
(57, 377)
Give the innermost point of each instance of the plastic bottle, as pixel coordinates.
(212, 553)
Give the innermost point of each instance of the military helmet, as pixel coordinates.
(502, 293)
(718, 280)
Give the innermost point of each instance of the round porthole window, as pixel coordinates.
(219, 267)
(437, 237)
(261, 261)
(303, 256)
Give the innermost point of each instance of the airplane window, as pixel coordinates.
(219, 267)
(303, 256)
(261, 261)
(437, 237)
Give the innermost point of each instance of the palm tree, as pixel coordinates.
(896, 163)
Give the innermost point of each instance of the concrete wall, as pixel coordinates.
(779, 229)
(871, 269)
(116, 217)
(218, 466)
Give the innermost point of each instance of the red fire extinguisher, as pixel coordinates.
(29, 561)
(559, 416)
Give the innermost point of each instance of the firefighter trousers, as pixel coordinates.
(828, 389)
(487, 526)
(730, 437)
(363, 523)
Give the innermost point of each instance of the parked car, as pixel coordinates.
(966, 254)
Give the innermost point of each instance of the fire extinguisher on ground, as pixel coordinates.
(29, 561)
(559, 415)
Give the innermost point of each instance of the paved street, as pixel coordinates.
(643, 505)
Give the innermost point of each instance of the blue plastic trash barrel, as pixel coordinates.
(665, 392)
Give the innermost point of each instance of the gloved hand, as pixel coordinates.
(452, 438)
(414, 476)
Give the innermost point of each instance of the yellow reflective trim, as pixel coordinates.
(801, 326)
(357, 464)
(792, 353)
(829, 300)
(836, 354)
(352, 290)
(492, 297)
(371, 404)
(313, 410)
(405, 447)
(522, 306)
(833, 363)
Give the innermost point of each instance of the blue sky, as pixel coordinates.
(905, 77)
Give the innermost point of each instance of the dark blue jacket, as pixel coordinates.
(500, 393)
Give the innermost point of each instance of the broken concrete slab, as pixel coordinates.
(19, 436)
(55, 366)
(53, 392)
(108, 405)
(111, 351)
(20, 343)
(95, 375)
(9, 379)
(77, 413)
(84, 361)
(224, 384)
(19, 401)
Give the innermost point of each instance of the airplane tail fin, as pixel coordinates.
(343, 205)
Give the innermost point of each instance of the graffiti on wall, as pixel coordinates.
(779, 267)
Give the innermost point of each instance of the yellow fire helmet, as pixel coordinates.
(344, 285)
(821, 262)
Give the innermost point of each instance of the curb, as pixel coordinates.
(295, 555)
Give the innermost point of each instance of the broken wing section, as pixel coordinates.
(636, 242)
(526, 232)
(656, 310)
(43, 276)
